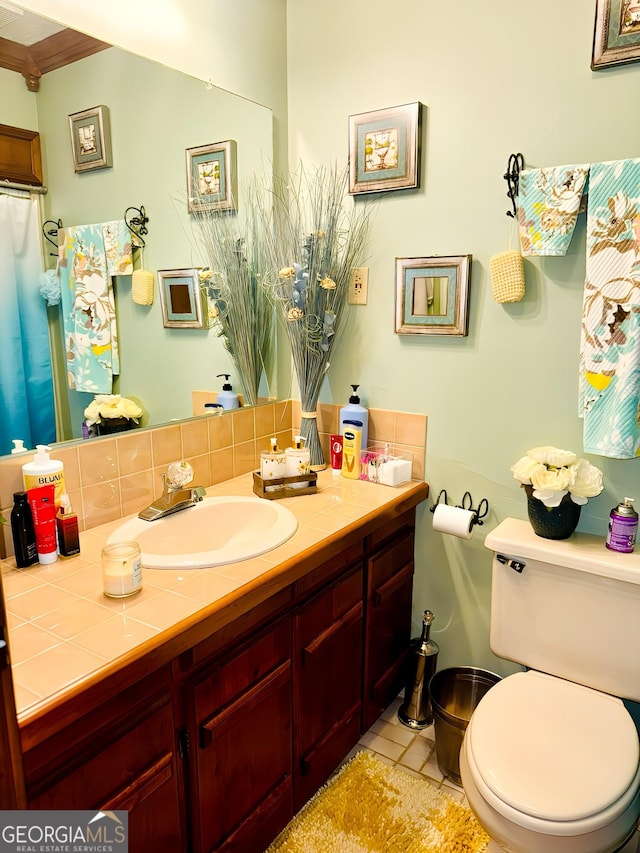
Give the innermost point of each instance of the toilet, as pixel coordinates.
(550, 760)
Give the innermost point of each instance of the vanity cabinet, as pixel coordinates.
(240, 740)
(215, 738)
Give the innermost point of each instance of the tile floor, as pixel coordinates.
(415, 753)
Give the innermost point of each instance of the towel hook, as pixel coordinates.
(51, 234)
(512, 176)
(137, 224)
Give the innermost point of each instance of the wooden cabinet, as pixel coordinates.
(327, 671)
(130, 765)
(389, 593)
(241, 758)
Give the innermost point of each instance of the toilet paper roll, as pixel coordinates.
(453, 520)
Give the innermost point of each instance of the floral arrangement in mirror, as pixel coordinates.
(557, 484)
(109, 413)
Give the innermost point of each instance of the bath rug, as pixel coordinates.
(369, 807)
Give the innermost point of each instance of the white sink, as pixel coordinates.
(216, 531)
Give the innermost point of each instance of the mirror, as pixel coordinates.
(156, 113)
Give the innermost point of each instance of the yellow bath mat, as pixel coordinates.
(369, 807)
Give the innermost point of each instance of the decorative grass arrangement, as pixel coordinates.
(313, 235)
(239, 308)
(369, 806)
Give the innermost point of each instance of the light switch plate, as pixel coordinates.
(358, 285)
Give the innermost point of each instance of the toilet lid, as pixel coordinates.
(553, 749)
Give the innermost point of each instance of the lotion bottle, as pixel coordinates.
(43, 510)
(351, 446)
(273, 464)
(227, 398)
(67, 527)
(354, 411)
(44, 471)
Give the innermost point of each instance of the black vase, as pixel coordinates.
(111, 425)
(555, 522)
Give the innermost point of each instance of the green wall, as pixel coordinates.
(495, 78)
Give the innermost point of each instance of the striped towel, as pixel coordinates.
(609, 390)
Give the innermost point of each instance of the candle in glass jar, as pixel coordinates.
(121, 569)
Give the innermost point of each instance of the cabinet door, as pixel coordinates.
(388, 621)
(137, 773)
(243, 757)
(327, 681)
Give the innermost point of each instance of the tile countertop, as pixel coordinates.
(64, 632)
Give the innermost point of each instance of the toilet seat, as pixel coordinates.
(553, 756)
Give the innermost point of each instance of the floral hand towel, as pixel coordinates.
(548, 204)
(88, 255)
(610, 336)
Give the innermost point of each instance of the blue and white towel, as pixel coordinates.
(88, 256)
(610, 338)
(548, 205)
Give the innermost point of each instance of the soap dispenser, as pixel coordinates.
(227, 397)
(353, 411)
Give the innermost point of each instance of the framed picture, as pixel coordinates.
(616, 38)
(432, 295)
(183, 299)
(384, 150)
(91, 139)
(211, 177)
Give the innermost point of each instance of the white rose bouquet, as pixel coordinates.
(553, 473)
(106, 407)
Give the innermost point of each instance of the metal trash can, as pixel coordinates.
(455, 694)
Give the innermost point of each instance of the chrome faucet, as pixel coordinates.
(175, 497)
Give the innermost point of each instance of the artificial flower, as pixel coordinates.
(328, 283)
(107, 406)
(553, 473)
(295, 313)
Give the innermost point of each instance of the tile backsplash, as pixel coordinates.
(116, 476)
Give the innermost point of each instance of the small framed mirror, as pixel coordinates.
(432, 295)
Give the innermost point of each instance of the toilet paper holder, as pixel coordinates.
(479, 512)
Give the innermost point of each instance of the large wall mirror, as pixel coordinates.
(156, 113)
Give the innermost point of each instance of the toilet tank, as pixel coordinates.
(569, 608)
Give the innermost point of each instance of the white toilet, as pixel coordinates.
(550, 761)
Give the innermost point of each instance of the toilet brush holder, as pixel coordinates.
(415, 712)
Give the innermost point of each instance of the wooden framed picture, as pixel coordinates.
(384, 149)
(183, 300)
(616, 37)
(212, 177)
(91, 139)
(432, 295)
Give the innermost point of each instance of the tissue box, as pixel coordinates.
(385, 465)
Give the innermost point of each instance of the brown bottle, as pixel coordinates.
(67, 527)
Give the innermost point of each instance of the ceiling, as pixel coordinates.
(24, 27)
(32, 45)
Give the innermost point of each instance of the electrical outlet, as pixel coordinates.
(358, 286)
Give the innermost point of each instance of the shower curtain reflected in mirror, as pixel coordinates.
(26, 385)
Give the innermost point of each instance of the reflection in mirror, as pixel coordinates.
(156, 113)
(429, 296)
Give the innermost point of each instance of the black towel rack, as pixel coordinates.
(512, 177)
(135, 219)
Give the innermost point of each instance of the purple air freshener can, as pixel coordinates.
(623, 527)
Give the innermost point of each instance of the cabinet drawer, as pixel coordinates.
(230, 677)
(390, 560)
